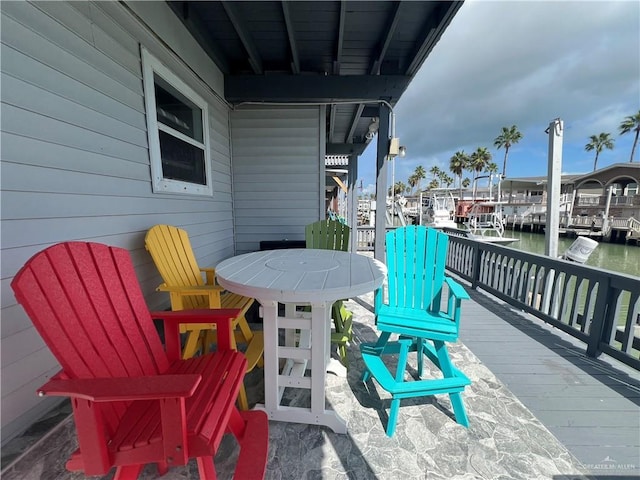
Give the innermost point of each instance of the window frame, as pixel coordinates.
(152, 66)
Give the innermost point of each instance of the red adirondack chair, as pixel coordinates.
(133, 401)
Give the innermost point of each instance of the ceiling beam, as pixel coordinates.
(436, 24)
(375, 65)
(384, 44)
(337, 63)
(199, 31)
(237, 21)
(332, 122)
(338, 60)
(314, 88)
(348, 138)
(345, 148)
(295, 60)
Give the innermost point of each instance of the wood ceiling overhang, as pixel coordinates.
(348, 55)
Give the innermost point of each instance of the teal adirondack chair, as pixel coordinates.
(416, 276)
(334, 235)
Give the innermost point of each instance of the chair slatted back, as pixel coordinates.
(171, 251)
(416, 258)
(327, 235)
(85, 301)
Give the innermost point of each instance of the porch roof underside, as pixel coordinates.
(347, 55)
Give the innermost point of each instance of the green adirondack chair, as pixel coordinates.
(333, 235)
(416, 276)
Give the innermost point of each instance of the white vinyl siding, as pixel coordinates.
(75, 159)
(277, 173)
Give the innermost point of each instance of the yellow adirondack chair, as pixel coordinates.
(171, 251)
(333, 235)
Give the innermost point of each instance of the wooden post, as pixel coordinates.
(381, 181)
(554, 173)
(352, 201)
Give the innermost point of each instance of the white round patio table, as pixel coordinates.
(299, 277)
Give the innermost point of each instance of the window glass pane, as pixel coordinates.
(177, 111)
(181, 161)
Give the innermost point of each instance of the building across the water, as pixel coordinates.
(604, 203)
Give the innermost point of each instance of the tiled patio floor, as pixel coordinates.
(504, 441)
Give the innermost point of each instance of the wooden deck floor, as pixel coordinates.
(591, 405)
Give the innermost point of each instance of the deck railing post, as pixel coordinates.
(602, 317)
(476, 257)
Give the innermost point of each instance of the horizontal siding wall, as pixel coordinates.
(75, 162)
(276, 173)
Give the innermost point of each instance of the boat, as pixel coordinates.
(440, 210)
(484, 222)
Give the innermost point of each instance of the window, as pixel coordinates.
(177, 128)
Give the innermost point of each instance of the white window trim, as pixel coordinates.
(151, 65)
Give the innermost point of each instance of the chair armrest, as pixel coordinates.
(456, 294)
(124, 388)
(190, 290)
(456, 289)
(222, 317)
(170, 390)
(210, 274)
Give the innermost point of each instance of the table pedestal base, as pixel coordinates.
(328, 418)
(311, 349)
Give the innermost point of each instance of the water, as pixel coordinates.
(616, 257)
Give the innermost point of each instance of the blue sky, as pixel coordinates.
(526, 63)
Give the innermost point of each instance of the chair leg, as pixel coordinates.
(206, 469)
(458, 409)
(448, 372)
(343, 326)
(405, 343)
(128, 472)
(393, 416)
(342, 352)
(420, 353)
(163, 468)
(244, 328)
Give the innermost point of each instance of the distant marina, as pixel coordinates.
(603, 205)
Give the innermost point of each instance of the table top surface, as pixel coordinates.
(301, 275)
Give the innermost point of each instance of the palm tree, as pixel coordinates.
(447, 180)
(419, 175)
(435, 171)
(457, 164)
(478, 162)
(412, 181)
(598, 143)
(399, 189)
(509, 136)
(631, 123)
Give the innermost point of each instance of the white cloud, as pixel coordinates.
(524, 63)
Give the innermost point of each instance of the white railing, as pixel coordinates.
(599, 307)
